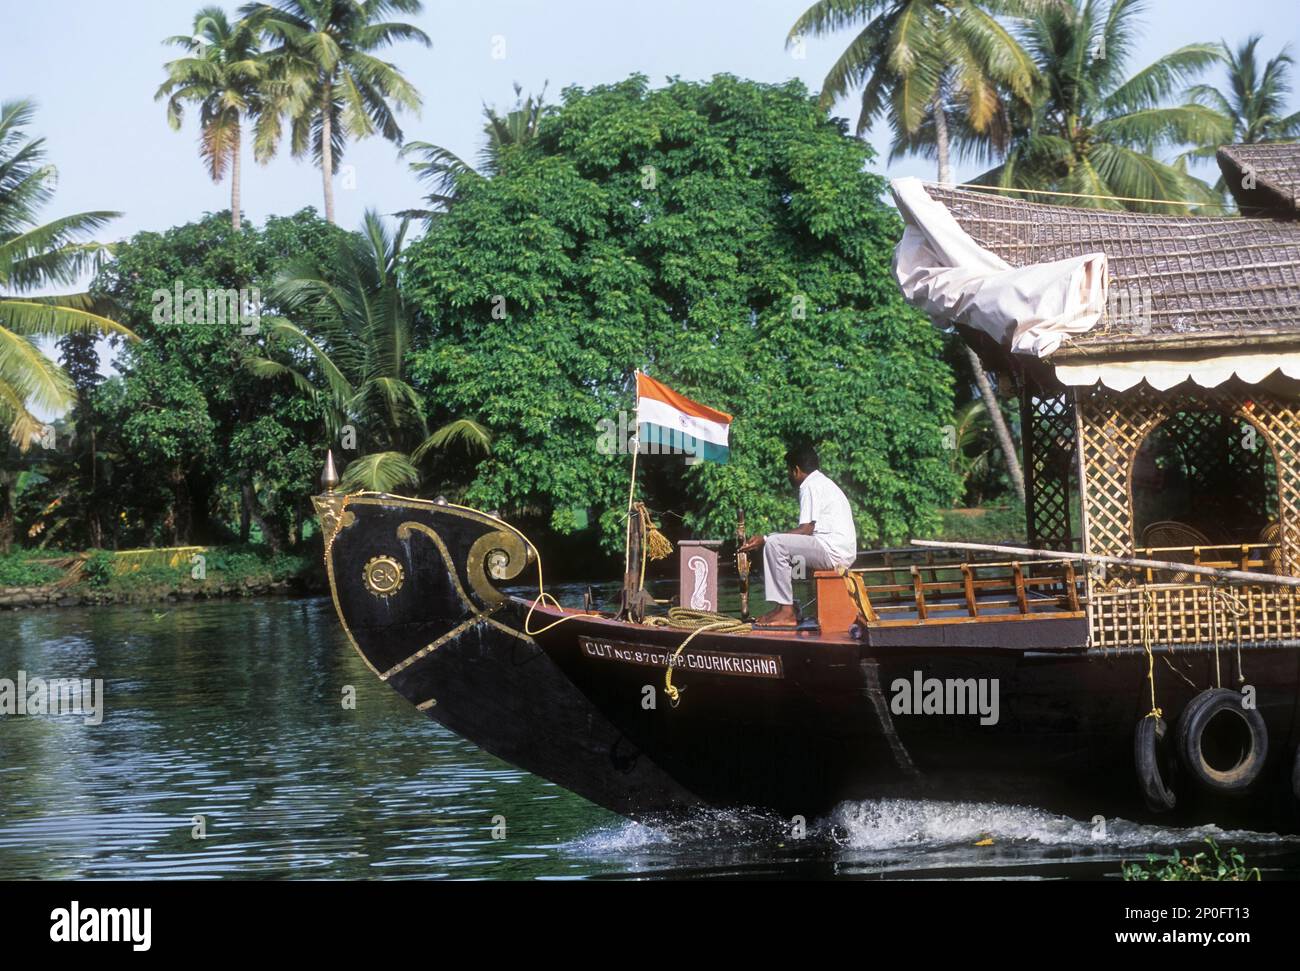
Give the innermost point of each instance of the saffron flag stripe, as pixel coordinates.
(648, 387)
(655, 412)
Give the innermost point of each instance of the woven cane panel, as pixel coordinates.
(1168, 275)
(1194, 614)
(1047, 428)
(1112, 428)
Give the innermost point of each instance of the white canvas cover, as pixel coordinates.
(945, 273)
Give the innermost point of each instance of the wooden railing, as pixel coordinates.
(983, 590)
(1133, 607)
(1251, 557)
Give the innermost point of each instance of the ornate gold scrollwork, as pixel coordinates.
(383, 576)
(499, 555)
(334, 516)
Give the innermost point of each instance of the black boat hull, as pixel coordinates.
(791, 723)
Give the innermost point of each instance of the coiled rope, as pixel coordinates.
(654, 546)
(697, 621)
(1147, 621)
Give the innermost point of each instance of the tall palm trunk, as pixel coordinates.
(1000, 431)
(6, 518)
(327, 151)
(941, 138)
(234, 181)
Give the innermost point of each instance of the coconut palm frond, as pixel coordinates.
(380, 472)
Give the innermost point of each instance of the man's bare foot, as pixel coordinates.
(782, 616)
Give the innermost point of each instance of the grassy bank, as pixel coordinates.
(45, 578)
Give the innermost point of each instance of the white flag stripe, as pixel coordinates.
(657, 412)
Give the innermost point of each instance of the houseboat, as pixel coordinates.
(1139, 657)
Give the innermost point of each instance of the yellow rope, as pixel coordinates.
(1232, 605)
(701, 621)
(1148, 602)
(542, 596)
(1082, 195)
(681, 617)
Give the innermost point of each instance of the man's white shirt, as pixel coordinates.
(822, 502)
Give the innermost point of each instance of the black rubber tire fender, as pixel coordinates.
(1148, 749)
(1196, 717)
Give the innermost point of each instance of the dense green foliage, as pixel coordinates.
(187, 439)
(33, 257)
(17, 569)
(725, 238)
(352, 325)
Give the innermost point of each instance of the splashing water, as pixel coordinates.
(900, 837)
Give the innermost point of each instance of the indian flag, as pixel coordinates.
(670, 422)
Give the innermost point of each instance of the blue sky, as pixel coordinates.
(93, 67)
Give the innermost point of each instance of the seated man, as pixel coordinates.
(825, 538)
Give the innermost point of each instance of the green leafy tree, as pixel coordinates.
(186, 419)
(1094, 129)
(928, 66)
(327, 79)
(724, 236)
(968, 443)
(224, 74)
(33, 256)
(352, 329)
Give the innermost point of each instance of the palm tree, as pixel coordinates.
(1094, 130)
(921, 61)
(37, 256)
(969, 457)
(350, 332)
(441, 168)
(224, 74)
(326, 79)
(924, 62)
(1255, 99)
(1254, 103)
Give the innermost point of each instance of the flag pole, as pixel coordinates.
(628, 609)
(632, 486)
(631, 496)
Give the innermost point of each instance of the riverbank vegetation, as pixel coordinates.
(728, 236)
(39, 578)
(1213, 863)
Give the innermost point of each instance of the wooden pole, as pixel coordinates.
(1170, 565)
(631, 586)
(742, 564)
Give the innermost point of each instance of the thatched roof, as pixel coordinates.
(1264, 179)
(1176, 282)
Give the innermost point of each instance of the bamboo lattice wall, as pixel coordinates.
(1127, 607)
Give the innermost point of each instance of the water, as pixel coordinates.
(233, 712)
